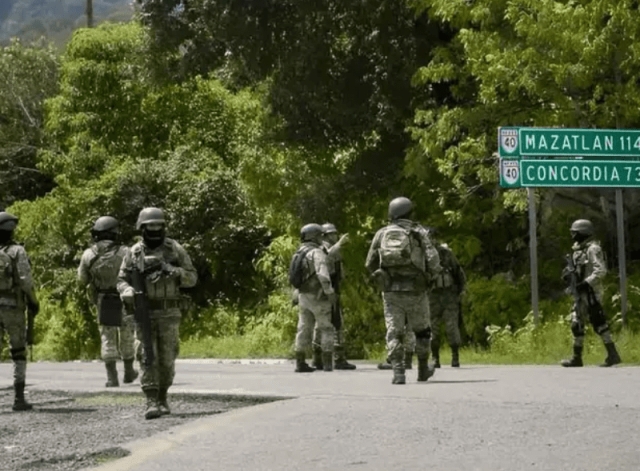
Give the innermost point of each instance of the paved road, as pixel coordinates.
(474, 418)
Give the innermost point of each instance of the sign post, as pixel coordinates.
(571, 158)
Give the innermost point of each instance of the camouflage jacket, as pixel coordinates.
(317, 271)
(588, 259)
(18, 282)
(452, 275)
(101, 278)
(149, 262)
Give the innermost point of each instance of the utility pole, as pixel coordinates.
(89, 13)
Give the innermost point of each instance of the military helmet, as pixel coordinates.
(310, 232)
(329, 228)
(8, 222)
(399, 207)
(583, 227)
(150, 216)
(105, 224)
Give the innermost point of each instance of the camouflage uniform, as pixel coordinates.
(590, 267)
(337, 317)
(445, 304)
(16, 288)
(404, 294)
(315, 304)
(116, 342)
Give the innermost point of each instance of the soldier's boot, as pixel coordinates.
(112, 374)
(613, 358)
(163, 404)
(152, 411)
(435, 352)
(327, 361)
(301, 364)
(455, 357)
(576, 361)
(408, 360)
(19, 402)
(385, 366)
(316, 362)
(398, 372)
(341, 362)
(130, 374)
(424, 371)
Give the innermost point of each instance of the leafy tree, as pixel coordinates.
(28, 76)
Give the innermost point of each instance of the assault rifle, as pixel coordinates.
(30, 328)
(141, 314)
(594, 308)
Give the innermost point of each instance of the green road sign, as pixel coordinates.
(510, 173)
(561, 142)
(579, 173)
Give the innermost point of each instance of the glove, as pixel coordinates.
(171, 271)
(127, 295)
(33, 308)
(582, 287)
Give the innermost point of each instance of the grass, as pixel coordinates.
(233, 347)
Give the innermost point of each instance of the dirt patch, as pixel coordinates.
(69, 431)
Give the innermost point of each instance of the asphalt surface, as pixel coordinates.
(472, 418)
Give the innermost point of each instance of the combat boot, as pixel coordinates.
(398, 372)
(327, 361)
(424, 372)
(151, 411)
(576, 360)
(341, 362)
(435, 353)
(455, 357)
(317, 358)
(612, 355)
(163, 404)
(130, 374)
(112, 374)
(301, 365)
(385, 366)
(408, 360)
(19, 403)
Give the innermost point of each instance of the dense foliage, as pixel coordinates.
(245, 120)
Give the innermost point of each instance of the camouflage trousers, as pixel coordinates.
(444, 307)
(165, 336)
(580, 318)
(13, 322)
(338, 338)
(406, 311)
(316, 314)
(118, 342)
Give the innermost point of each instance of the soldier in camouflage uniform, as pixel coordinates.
(444, 302)
(402, 259)
(98, 269)
(16, 289)
(332, 246)
(590, 269)
(315, 300)
(166, 267)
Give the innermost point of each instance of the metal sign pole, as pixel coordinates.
(622, 263)
(533, 249)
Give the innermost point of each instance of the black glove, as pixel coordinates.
(582, 287)
(33, 308)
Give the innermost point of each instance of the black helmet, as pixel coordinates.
(105, 224)
(8, 222)
(150, 216)
(329, 228)
(400, 207)
(310, 232)
(583, 227)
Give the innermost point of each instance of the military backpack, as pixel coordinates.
(6, 269)
(297, 272)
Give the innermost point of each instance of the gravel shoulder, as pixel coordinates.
(68, 431)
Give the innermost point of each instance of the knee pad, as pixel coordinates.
(424, 334)
(19, 354)
(577, 329)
